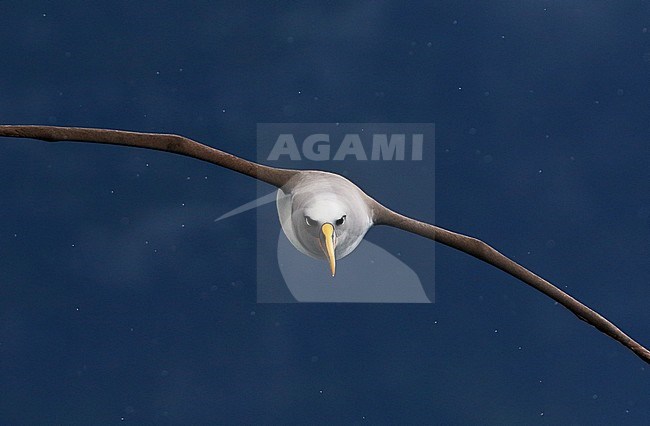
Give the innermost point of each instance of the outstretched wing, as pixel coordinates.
(160, 142)
(482, 251)
(382, 215)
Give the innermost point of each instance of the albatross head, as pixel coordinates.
(324, 215)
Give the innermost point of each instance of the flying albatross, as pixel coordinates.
(324, 215)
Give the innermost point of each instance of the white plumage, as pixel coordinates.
(310, 201)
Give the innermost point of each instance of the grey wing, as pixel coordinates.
(160, 142)
(484, 252)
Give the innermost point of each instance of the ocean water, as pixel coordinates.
(123, 301)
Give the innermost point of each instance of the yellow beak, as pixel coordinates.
(328, 232)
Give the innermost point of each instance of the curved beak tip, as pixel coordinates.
(328, 234)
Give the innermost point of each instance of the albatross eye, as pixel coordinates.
(309, 221)
(340, 221)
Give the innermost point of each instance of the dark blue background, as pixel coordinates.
(111, 310)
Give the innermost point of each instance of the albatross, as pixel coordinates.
(324, 215)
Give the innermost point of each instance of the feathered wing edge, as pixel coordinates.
(278, 177)
(160, 142)
(484, 252)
